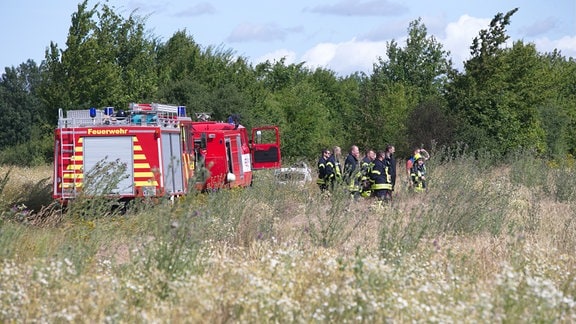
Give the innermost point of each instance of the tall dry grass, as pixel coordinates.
(484, 244)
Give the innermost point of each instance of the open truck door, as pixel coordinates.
(265, 147)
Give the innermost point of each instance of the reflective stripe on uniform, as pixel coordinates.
(379, 186)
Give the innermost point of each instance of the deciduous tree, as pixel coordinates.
(411, 75)
(108, 61)
(497, 96)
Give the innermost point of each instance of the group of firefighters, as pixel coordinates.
(372, 176)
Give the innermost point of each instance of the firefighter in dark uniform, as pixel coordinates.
(365, 169)
(418, 175)
(352, 172)
(381, 177)
(326, 174)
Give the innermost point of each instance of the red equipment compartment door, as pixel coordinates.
(266, 148)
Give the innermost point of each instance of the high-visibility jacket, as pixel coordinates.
(380, 175)
(337, 168)
(410, 162)
(418, 174)
(325, 171)
(365, 169)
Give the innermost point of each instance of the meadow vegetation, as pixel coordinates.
(484, 244)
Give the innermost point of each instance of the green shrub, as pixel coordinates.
(5, 202)
(466, 199)
(35, 152)
(97, 197)
(528, 170)
(330, 217)
(401, 231)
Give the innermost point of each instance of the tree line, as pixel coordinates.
(506, 98)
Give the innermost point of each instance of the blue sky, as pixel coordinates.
(342, 35)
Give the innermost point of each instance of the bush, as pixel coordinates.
(36, 152)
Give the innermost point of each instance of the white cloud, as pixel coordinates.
(289, 56)
(320, 55)
(459, 36)
(566, 45)
(345, 57)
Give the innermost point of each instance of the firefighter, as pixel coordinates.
(234, 119)
(326, 172)
(365, 169)
(418, 175)
(352, 172)
(335, 159)
(410, 164)
(381, 177)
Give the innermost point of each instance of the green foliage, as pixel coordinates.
(498, 97)
(556, 124)
(556, 178)
(412, 75)
(278, 81)
(279, 76)
(562, 76)
(307, 124)
(36, 195)
(384, 116)
(347, 99)
(109, 61)
(19, 104)
(38, 150)
(422, 63)
(564, 185)
(340, 97)
(208, 80)
(430, 125)
(488, 44)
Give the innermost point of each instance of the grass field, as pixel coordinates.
(483, 244)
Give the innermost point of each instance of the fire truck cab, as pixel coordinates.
(155, 150)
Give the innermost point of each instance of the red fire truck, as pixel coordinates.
(155, 150)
